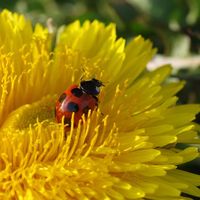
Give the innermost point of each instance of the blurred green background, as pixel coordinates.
(172, 25)
(169, 24)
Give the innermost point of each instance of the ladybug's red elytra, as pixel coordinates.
(77, 99)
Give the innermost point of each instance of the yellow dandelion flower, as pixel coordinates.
(128, 152)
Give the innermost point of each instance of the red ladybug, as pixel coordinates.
(77, 99)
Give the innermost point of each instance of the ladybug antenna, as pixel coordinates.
(82, 77)
(83, 73)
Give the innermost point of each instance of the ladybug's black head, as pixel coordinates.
(91, 87)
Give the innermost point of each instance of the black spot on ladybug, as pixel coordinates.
(62, 97)
(72, 107)
(67, 121)
(86, 109)
(77, 92)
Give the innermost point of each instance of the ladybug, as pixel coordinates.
(77, 99)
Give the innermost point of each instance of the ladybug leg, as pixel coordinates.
(102, 114)
(85, 110)
(97, 102)
(67, 122)
(96, 99)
